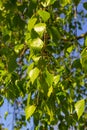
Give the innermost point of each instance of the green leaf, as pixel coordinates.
(79, 107)
(54, 34)
(61, 94)
(50, 113)
(1, 4)
(76, 2)
(49, 78)
(65, 2)
(40, 28)
(36, 44)
(1, 64)
(76, 64)
(31, 23)
(33, 74)
(29, 111)
(85, 5)
(12, 64)
(50, 91)
(36, 58)
(84, 59)
(56, 79)
(44, 15)
(28, 99)
(18, 47)
(69, 49)
(47, 3)
(85, 116)
(30, 67)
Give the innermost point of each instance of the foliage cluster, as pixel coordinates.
(42, 61)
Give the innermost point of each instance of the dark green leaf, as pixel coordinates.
(54, 34)
(12, 64)
(1, 101)
(76, 2)
(76, 64)
(85, 5)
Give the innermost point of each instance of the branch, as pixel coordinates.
(81, 36)
(74, 37)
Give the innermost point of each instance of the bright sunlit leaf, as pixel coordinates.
(36, 44)
(69, 49)
(50, 91)
(56, 79)
(79, 107)
(18, 47)
(33, 74)
(35, 58)
(29, 111)
(44, 15)
(31, 23)
(40, 28)
(47, 3)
